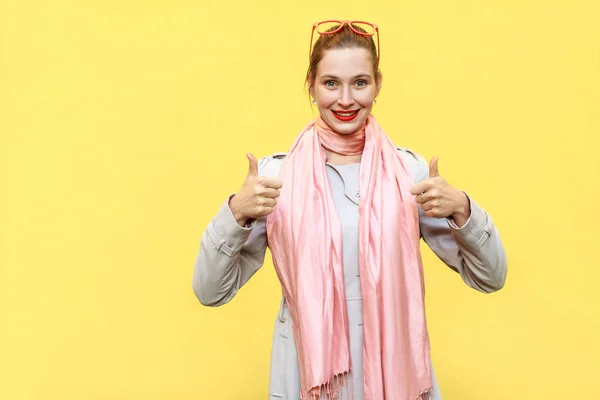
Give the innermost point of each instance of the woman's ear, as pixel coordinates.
(311, 88)
(379, 81)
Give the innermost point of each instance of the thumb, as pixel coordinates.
(433, 167)
(252, 165)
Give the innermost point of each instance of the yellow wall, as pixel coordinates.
(124, 125)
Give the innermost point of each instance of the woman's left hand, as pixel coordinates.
(439, 199)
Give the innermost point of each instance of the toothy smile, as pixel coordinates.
(345, 116)
(345, 113)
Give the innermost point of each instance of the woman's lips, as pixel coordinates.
(345, 116)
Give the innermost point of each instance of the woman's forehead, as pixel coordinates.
(346, 63)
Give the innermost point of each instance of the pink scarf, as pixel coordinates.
(305, 239)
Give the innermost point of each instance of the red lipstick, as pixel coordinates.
(345, 116)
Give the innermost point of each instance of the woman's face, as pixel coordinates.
(345, 88)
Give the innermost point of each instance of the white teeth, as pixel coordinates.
(346, 114)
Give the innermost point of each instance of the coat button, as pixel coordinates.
(357, 194)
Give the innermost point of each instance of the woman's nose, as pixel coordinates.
(346, 99)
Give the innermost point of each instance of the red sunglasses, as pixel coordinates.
(323, 28)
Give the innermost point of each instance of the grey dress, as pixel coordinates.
(229, 255)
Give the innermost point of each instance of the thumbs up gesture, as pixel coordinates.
(439, 199)
(257, 197)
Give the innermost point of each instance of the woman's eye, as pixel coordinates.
(330, 84)
(361, 83)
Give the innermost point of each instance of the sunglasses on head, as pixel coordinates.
(331, 27)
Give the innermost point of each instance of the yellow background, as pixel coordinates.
(124, 126)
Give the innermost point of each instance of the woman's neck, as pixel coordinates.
(340, 159)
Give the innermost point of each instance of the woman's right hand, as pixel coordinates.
(257, 197)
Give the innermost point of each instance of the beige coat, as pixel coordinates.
(229, 255)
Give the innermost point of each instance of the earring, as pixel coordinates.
(374, 101)
(314, 101)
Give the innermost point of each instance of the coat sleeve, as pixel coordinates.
(229, 254)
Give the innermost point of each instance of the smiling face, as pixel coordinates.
(344, 87)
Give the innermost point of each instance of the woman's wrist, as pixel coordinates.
(462, 212)
(240, 218)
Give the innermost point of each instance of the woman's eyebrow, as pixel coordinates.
(355, 77)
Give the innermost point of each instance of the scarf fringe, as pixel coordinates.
(426, 395)
(329, 390)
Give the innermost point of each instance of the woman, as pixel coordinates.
(343, 213)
